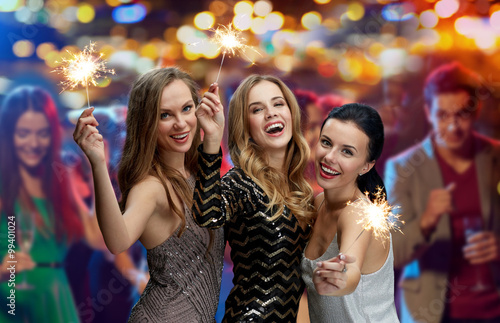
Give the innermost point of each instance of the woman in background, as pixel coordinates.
(41, 206)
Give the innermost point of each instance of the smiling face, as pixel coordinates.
(177, 124)
(341, 155)
(32, 138)
(451, 119)
(269, 117)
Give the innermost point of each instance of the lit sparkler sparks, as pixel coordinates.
(230, 42)
(377, 216)
(83, 68)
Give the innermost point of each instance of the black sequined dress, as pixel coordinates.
(184, 280)
(266, 254)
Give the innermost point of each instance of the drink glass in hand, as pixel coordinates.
(25, 235)
(472, 226)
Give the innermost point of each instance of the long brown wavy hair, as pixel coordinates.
(290, 189)
(141, 156)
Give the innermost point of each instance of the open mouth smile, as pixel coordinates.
(182, 137)
(275, 128)
(328, 172)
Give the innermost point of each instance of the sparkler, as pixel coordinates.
(82, 68)
(377, 217)
(230, 41)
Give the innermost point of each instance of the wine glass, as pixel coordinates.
(472, 226)
(25, 235)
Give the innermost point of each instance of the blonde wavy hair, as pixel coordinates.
(140, 153)
(290, 189)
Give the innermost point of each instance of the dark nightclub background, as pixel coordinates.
(328, 52)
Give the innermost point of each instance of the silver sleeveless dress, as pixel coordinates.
(372, 301)
(185, 279)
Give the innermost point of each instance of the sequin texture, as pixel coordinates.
(266, 254)
(185, 279)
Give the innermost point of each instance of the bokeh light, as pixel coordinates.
(52, 59)
(73, 99)
(262, 8)
(144, 64)
(392, 61)
(113, 3)
(24, 15)
(322, 1)
(429, 37)
(485, 40)
(465, 26)
(124, 59)
(150, 50)
(327, 69)
(370, 73)
(284, 63)
(243, 7)
(23, 48)
(85, 13)
(186, 34)
(34, 5)
(311, 20)
(375, 49)
(355, 11)
(428, 19)
(283, 38)
(446, 8)
(129, 14)
(274, 20)
(445, 41)
(495, 20)
(191, 52)
(211, 50)
(242, 22)
(60, 23)
(10, 5)
(349, 69)
(204, 20)
(104, 82)
(258, 26)
(44, 49)
(398, 11)
(70, 14)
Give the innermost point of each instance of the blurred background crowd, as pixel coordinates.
(378, 52)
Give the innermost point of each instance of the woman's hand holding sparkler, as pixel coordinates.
(335, 277)
(210, 114)
(89, 139)
(331, 276)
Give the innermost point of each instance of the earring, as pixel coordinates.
(360, 174)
